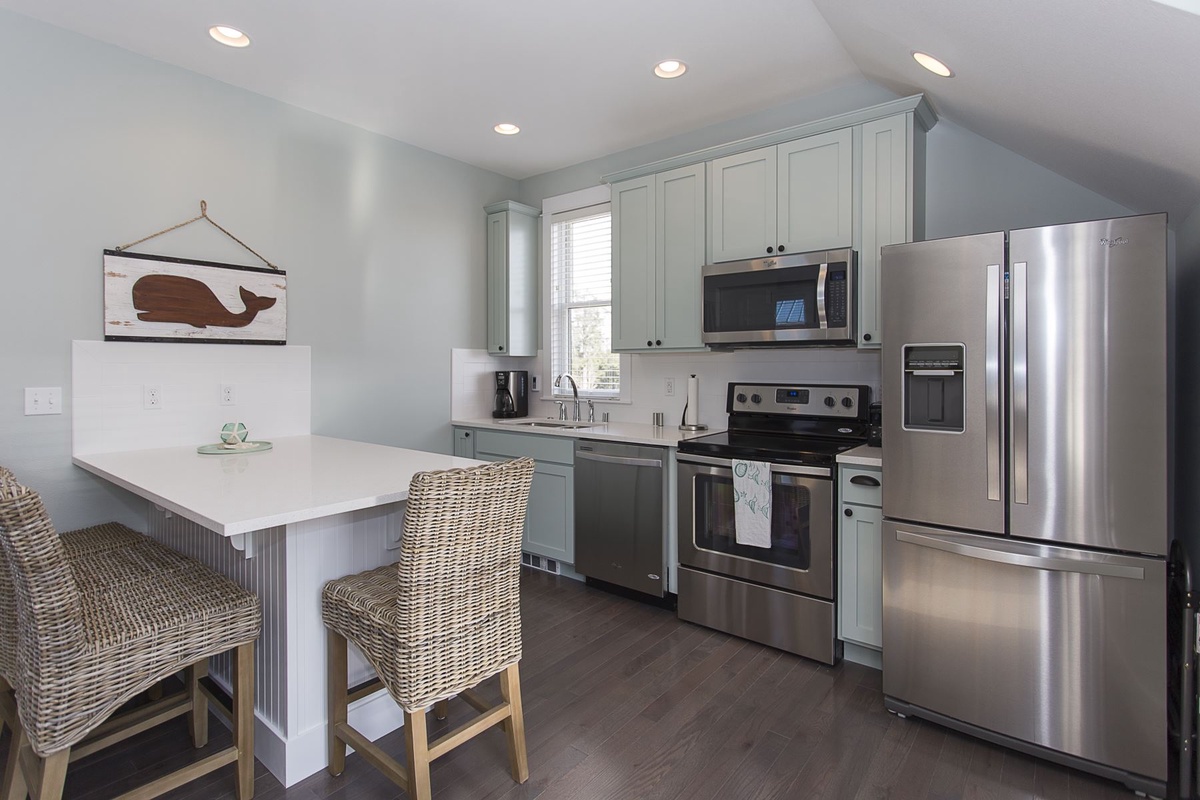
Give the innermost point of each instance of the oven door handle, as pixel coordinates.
(776, 469)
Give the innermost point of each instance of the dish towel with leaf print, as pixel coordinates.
(752, 502)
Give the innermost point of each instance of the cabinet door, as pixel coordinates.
(743, 203)
(497, 283)
(633, 265)
(550, 521)
(816, 188)
(464, 443)
(886, 212)
(679, 226)
(860, 584)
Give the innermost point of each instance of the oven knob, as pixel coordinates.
(755, 398)
(847, 402)
(741, 398)
(830, 402)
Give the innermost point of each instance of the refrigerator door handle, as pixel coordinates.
(992, 379)
(1020, 384)
(1052, 563)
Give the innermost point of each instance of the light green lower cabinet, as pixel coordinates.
(860, 572)
(550, 517)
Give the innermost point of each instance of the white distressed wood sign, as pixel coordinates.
(157, 298)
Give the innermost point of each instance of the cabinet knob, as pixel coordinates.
(780, 248)
(467, 435)
(866, 337)
(848, 512)
(658, 342)
(649, 343)
(770, 249)
(500, 348)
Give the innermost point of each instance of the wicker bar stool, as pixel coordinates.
(95, 631)
(439, 622)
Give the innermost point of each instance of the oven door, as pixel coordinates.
(800, 558)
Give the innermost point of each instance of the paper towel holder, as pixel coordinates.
(683, 426)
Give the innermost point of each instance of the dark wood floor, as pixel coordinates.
(623, 700)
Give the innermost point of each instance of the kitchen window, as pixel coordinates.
(579, 307)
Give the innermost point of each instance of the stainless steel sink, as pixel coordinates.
(547, 423)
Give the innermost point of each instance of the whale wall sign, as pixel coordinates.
(162, 299)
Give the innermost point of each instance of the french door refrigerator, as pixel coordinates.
(1025, 490)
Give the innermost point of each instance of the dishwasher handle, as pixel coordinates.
(625, 460)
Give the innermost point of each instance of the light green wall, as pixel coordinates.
(383, 242)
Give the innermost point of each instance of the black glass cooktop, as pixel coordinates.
(775, 448)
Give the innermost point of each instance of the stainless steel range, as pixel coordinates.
(782, 595)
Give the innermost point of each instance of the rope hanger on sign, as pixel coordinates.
(203, 216)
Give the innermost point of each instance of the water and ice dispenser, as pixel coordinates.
(933, 387)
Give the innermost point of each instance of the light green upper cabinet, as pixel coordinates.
(512, 295)
(743, 205)
(816, 188)
(658, 250)
(892, 191)
(790, 198)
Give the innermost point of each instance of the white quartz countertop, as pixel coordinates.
(300, 478)
(865, 456)
(631, 432)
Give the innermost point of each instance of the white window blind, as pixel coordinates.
(581, 303)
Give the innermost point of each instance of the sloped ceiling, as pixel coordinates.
(1099, 91)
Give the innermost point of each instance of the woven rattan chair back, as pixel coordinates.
(49, 615)
(8, 603)
(458, 615)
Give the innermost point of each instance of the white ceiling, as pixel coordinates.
(1100, 91)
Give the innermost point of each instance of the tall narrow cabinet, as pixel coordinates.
(512, 294)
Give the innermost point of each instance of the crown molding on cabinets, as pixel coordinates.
(923, 113)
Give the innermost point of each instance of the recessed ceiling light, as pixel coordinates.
(229, 36)
(671, 68)
(506, 128)
(932, 64)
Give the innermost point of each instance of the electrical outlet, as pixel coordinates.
(151, 396)
(228, 395)
(43, 400)
(669, 388)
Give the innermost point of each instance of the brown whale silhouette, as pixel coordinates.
(173, 298)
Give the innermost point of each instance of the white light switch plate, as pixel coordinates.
(43, 400)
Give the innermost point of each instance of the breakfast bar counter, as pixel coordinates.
(281, 523)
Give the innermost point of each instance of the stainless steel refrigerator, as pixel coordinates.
(1026, 490)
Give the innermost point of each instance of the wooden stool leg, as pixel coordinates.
(14, 787)
(198, 716)
(54, 775)
(243, 719)
(441, 709)
(336, 669)
(514, 727)
(416, 742)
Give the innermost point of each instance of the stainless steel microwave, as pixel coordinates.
(796, 300)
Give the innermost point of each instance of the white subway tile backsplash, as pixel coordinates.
(272, 389)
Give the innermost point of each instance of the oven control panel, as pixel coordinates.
(808, 400)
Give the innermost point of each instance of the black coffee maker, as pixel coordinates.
(512, 394)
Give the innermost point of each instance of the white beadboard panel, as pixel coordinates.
(264, 575)
(321, 550)
(473, 380)
(271, 385)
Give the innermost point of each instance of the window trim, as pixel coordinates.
(581, 203)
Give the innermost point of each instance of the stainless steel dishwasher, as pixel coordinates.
(621, 515)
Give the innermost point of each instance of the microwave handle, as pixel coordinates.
(821, 296)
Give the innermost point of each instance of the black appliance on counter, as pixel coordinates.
(782, 595)
(512, 394)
